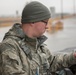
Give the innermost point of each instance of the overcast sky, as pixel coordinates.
(9, 7)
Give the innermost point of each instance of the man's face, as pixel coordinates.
(40, 27)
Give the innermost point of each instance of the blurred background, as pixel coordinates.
(14, 7)
(62, 24)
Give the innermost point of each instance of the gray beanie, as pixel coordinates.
(34, 12)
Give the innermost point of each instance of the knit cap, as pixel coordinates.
(34, 12)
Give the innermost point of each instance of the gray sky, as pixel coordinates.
(9, 7)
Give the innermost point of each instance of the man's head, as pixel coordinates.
(36, 15)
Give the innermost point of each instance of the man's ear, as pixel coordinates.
(32, 24)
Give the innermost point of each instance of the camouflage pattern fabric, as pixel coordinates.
(21, 55)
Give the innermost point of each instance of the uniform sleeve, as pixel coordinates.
(11, 63)
(63, 60)
(59, 61)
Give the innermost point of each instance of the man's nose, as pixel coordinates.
(47, 26)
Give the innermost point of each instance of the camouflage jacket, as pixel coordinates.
(21, 55)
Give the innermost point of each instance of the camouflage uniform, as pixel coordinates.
(21, 55)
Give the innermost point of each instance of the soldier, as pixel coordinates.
(23, 52)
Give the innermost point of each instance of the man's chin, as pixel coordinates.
(40, 35)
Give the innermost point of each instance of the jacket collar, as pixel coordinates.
(16, 31)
